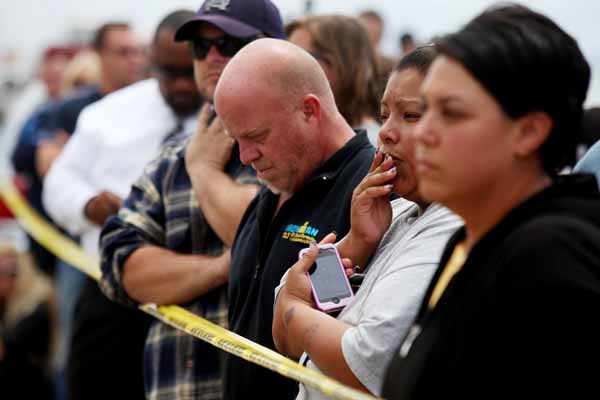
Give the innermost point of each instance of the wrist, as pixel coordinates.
(358, 248)
(223, 269)
(204, 167)
(200, 172)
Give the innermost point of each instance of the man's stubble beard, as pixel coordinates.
(273, 189)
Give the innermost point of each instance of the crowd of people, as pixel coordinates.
(456, 183)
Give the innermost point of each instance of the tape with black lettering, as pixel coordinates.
(175, 316)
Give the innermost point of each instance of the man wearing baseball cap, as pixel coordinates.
(163, 247)
(222, 27)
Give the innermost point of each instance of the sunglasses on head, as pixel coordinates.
(227, 46)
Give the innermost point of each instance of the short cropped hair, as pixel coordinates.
(406, 38)
(99, 39)
(172, 22)
(372, 14)
(527, 63)
(420, 59)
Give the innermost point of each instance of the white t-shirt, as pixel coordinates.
(388, 299)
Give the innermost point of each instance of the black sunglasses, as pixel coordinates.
(171, 72)
(226, 45)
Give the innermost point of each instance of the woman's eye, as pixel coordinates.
(451, 114)
(412, 117)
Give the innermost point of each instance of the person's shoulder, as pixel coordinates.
(139, 88)
(434, 215)
(402, 207)
(249, 218)
(592, 153)
(553, 228)
(361, 152)
(590, 162)
(442, 215)
(83, 93)
(125, 99)
(69, 109)
(175, 148)
(432, 226)
(171, 157)
(553, 245)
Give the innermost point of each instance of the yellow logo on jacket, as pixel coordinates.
(300, 233)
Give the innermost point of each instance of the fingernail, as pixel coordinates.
(313, 244)
(392, 171)
(334, 232)
(389, 187)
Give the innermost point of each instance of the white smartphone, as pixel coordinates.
(330, 286)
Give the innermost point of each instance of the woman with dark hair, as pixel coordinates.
(341, 45)
(512, 311)
(398, 242)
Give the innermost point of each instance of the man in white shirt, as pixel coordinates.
(116, 137)
(113, 141)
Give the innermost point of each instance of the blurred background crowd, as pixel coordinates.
(38, 40)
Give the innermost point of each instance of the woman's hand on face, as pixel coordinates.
(371, 213)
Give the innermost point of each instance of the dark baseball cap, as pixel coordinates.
(238, 18)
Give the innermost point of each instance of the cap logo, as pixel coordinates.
(221, 5)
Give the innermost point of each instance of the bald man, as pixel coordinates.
(275, 101)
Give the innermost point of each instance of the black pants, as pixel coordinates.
(106, 349)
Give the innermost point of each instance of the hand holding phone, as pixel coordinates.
(330, 286)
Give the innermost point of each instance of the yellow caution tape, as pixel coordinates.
(175, 316)
(46, 235)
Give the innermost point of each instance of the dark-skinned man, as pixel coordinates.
(113, 141)
(162, 247)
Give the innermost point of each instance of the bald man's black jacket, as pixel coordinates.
(266, 246)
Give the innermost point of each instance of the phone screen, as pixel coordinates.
(328, 278)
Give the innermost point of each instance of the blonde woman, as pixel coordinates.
(26, 327)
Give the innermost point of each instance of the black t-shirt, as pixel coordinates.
(108, 342)
(520, 319)
(266, 247)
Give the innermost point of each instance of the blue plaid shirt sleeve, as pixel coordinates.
(162, 211)
(140, 222)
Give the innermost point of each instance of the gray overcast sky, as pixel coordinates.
(26, 26)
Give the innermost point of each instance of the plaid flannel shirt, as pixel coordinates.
(161, 210)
